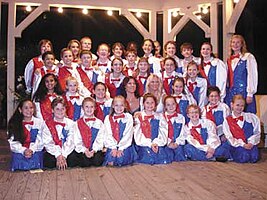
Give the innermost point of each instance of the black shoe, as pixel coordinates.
(221, 159)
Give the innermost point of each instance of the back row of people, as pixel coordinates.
(237, 76)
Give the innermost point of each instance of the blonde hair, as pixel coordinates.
(238, 97)
(194, 106)
(119, 97)
(243, 42)
(159, 92)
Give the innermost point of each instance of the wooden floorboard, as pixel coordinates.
(177, 181)
(186, 180)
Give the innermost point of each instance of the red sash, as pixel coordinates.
(36, 65)
(196, 134)
(51, 124)
(85, 79)
(86, 133)
(27, 134)
(46, 109)
(230, 69)
(202, 73)
(63, 75)
(191, 86)
(111, 87)
(99, 112)
(235, 129)
(170, 125)
(115, 128)
(145, 125)
(209, 114)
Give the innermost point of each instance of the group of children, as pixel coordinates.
(113, 111)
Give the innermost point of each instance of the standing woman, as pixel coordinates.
(242, 74)
(75, 47)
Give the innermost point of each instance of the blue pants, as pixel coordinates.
(176, 154)
(147, 156)
(128, 157)
(192, 153)
(20, 162)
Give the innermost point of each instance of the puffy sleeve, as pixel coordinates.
(252, 81)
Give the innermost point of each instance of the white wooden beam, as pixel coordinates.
(11, 58)
(153, 25)
(239, 7)
(141, 29)
(231, 16)
(214, 27)
(30, 18)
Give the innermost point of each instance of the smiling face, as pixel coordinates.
(169, 66)
(27, 110)
(45, 47)
(72, 86)
(49, 61)
(149, 105)
(170, 50)
(170, 105)
(88, 108)
(143, 67)
(67, 57)
(238, 106)
(154, 84)
(103, 51)
(147, 47)
(117, 66)
(236, 44)
(192, 71)
(118, 105)
(75, 48)
(86, 44)
(117, 51)
(178, 87)
(100, 92)
(59, 112)
(214, 98)
(193, 114)
(130, 86)
(206, 51)
(50, 84)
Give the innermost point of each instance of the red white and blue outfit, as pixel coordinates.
(201, 137)
(216, 113)
(243, 130)
(176, 123)
(113, 84)
(33, 141)
(183, 100)
(89, 134)
(119, 136)
(74, 105)
(215, 72)
(102, 109)
(242, 79)
(148, 130)
(198, 89)
(58, 140)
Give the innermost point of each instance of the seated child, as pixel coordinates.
(89, 136)
(151, 133)
(24, 137)
(118, 138)
(203, 141)
(176, 123)
(58, 136)
(242, 130)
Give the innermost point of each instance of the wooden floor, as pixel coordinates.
(186, 180)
